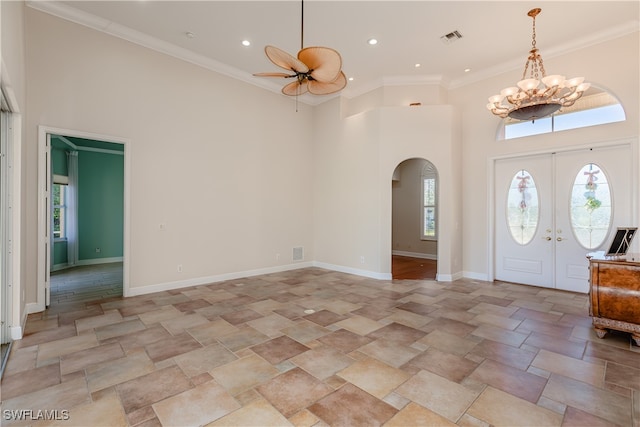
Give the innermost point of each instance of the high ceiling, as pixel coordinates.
(496, 36)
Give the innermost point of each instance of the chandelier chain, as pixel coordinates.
(534, 51)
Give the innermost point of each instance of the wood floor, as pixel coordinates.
(86, 283)
(403, 268)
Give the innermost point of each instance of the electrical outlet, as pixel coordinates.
(277, 257)
(362, 259)
(179, 268)
(98, 250)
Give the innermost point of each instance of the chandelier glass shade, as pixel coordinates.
(537, 95)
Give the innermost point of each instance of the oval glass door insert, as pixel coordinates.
(522, 207)
(591, 207)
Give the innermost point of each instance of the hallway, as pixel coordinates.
(409, 268)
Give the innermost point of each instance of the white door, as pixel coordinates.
(45, 231)
(611, 171)
(541, 206)
(524, 220)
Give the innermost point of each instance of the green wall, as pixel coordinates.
(100, 201)
(59, 161)
(100, 205)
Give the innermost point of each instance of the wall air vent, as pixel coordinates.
(298, 253)
(451, 37)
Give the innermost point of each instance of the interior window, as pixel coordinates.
(59, 211)
(429, 202)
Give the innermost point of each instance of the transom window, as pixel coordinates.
(591, 110)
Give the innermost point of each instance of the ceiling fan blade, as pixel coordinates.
(323, 88)
(324, 62)
(295, 88)
(273, 75)
(283, 60)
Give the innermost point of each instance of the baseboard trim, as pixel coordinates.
(448, 277)
(198, 281)
(95, 261)
(16, 332)
(58, 267)
(415, 255)
(356, 271)
(207, 280)
(32, 307)
(84, 262)
(476, 276)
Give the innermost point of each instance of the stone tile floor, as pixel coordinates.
(392, 353)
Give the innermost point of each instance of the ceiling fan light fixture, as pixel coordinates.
(317, 70)
(537, 95)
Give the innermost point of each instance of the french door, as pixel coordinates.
(552, 209)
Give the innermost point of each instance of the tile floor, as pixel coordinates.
(392, 353)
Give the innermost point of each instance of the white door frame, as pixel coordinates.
(491, 162)
(15, 291)
(6, 223)
(43, 224)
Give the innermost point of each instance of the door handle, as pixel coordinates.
(560, 239)
(547, 238)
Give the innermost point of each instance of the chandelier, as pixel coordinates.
(539, 95)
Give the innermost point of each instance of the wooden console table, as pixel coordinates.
(614, 290)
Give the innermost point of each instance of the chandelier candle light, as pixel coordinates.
(535, 97)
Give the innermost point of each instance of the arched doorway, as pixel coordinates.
(414, 220)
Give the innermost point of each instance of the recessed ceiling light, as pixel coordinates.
(350, 79)
(418, 65)
(189, 34)
(466, 70)
(372, 41)
(246, 43)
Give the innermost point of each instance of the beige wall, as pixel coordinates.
(237, 176)
(223, 165)
(13, 49)
(354, 162)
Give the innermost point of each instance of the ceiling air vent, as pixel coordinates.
(451, 37)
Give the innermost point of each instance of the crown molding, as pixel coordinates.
(68, 13)
(574, 45)
(79, 17)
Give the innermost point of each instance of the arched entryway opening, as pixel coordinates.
(414, 220)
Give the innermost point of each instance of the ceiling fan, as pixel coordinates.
(317, 70)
